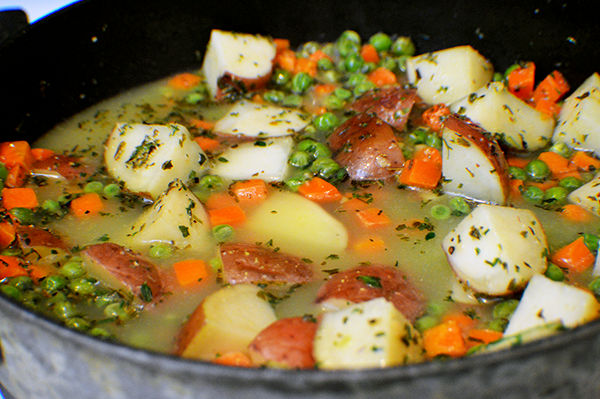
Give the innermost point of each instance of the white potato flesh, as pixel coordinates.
(545, 301)
(579, 118)
(149, 157)
(177, 217)
(243, 56)
(298, 226)
(587, 196)
(496, 250)
(261, 120)
(263, 159)
(501, 113)
(445, 76)
(472, 165)
(232, 317)
(366, 335)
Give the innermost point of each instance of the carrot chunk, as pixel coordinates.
(201, 124)
(236, 359)
(382, 77)
(444, 339)
(421, 173)
(206, 143)
(584, 161)
(89, 204)
(434, 117)
(551, 89)
(220, 200)
(190, 271)
(41, 154)
(250, 191)
(10, 266)
(14, 153)
(8, 233)
(575, 256)
(373, 218)
(369, 53)
(556, 162)
(484, 336)
(369, 245)
(232, 215)
(575, 213)
(320, 190)
(521, 81)
(19, 197)
(184, 81)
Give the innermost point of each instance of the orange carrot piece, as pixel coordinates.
(575, 213)
(355, 205)
(38, 272)
(484, 336)
(517, 161)
(575, 256)
(465, 322)
(206, 143)
(382, 77)
(320, 190)
(421, 173)
(10, 266)
(41, 154)
(232, 215)
(318, 55)
(548, 107)
(184, 81)
(281, 44)
(14, 153)
(369, 53)
(235, 359)
(286, 59)
(515, 187)
(17, 176)
(201, 124)
(322, 90)
(19, 197)
(190, 271)
(551, 89)
(220, 200)
(306, 65)
(8, 232)
(556, 162)
(584, 161)
(369, 245)
(521, 81)
(544, 185)
(373, 218)
(250, 191)
(89, 204)
(444, 339)
(434, 117)
(428, 154)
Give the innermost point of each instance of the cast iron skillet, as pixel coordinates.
(96, 49)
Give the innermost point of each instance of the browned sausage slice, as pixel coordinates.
(391, 104)
(31, 237)
(367, 282)
(71, 168)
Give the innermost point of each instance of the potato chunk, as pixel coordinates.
(149, 157)
(261, 120)
(245, 60)
(226, 321)
(366, 335)
(579, 117)
(177, 217)
(588, 196)
(545, 301)
(447, 75)
(473, 165)
(518, 124)
(496, 250)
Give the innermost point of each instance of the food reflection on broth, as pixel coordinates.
(338, 205)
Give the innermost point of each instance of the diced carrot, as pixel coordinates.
(250, 191)
(544, 185)
(444, 339)
(556, 162)
(428, 154)
(483, 336)
(8, 232)
(521, 81)
(548, 107)
(319, 110)
(190, 271)
(382, 76)
(354, 205)
(201, 124)
(41, 154)
(207, 144)
(14, 153)
(236, 359)
(232, 215)
(184, 81)
(369, 245)
(19, 197)
(88, 204)
(319, 55)
(373, 218)
(322, 90)
(572, 173)
(515, 187)
(465, 322)
(320, 190)
(220, 200)
(434, 117)
(551, 89)
(38, 272)
(257, 98)
(286, 59)
(17, 176)
(517, 161)
(305, 65)
(575, 213)
(584, 161)
(575, 256)
(281, 44)
(10, 266)
(421, 173)
(369, 53)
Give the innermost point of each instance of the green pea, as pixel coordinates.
(326, 121)
(517, 173)
(3, 171)
(301, 82)
(497, 77)
(350, 35)
(195, 97)
(293, 183)
(211, 182)
(363, 87)
(537, 170)
(342, 93)
(417, 136)
(274, 96)
(292, 100)
(594, 286)
(498, 325)
(434, 140)
(10, 291)
(21, 283)
(300, 159)
(403, 46)
(388, 63)
(401, 62)
(314, 148)
(14, 251)
(281, 77)
(346, 47)
(106, 298)
(64, 310)
(51, 206)
(570, 183)
(23, 215)
(368, 67)
(381, 41)
(100, 332)
(561, 149)
(533, 194)
(56, 297)
(459, 206)
(325, 64)
(353, 62)
(333, 102)
(505, 309)
(93, 187)
(440, 212)
(223, 232)
(112, 190)
(331, 76)
(53, 283)
(591, 242)
(72, 269)
(78, 323)
(216, 264)
(325, 167)
(510, 69)
(118, 310)
(355, 79)
(555, 195)
(425, 323)
(30, 299)
(160, 251)
(83, 286)
(554, 272)
(308, 48)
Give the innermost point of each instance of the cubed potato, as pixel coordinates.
(496, 250)
(511, 120)
(262, 159)
(366, 335)
(250, 119)
(545, 301)
(473, 165)
(298, 226)
(149, 157)
(588, 196)
(445, 76)
(579, 119)
(245, 59)
(226, 321)
(177, 217)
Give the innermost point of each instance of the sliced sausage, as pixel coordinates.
(71, 168)
(391, 104)
(367, 282)
(31, 237)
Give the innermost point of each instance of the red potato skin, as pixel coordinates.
(30, 237)
(367, 147)
(188, 331)
(395, 287)
(229, 82)
(129, 267)
(247, 263)
(70, 168)
(287, 342)
(391, 104)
